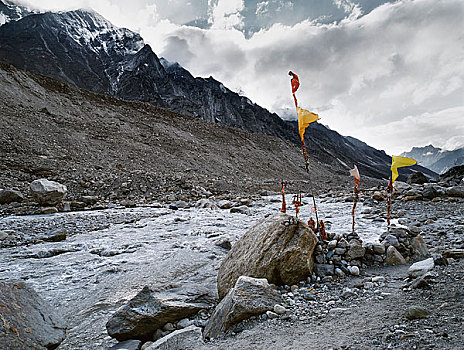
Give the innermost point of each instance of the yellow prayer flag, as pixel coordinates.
(398, 162)
(304, 119)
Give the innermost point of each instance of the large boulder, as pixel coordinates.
(8, 196)
(250, 296)
(417, 178)
(149, 311)
(278, 248)
(27, 321)
(47, 192)
(187, 338)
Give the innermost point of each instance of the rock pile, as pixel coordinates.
(346, 254)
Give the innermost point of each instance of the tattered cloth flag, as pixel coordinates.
(304, 119)
(355, 173)
(356, 177)
(398, 162)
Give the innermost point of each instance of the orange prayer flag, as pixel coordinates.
(304, 119)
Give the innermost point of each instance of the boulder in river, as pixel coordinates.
(250, 296)
(278, 248)
(149, 311)
(28, 321)
(47, 192)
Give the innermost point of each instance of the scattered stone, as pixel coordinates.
(184, 323)
(148, 311)
(278, 248)
(224, 204)
(146, 345)
(454, 253)
(8, 196)
(47, 192)
(3, 235)
(339, 273)
(271, 314)
(206, 203)
(421, 268)
(378, 279)
(354, 270)
(28, 321)
(416, 312)
(355, 250)
(394, 257)
(419, 248)
(417, 178)
(242, 209)
(250, 296)
(127, 345)
(279, 309)
(419, 282)
(378, 196)
(456, 191)
(49, 210)
(332, 244)
(323, 270)
(168, 327)
(182, 339)
(430, 193)
(223, 243)
(378, 248)
(55, 236)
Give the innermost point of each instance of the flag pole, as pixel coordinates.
(295, 84)
(389, 198)
(355, 202)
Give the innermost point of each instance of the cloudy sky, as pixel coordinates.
(390, 73)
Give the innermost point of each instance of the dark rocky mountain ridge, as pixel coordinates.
(84, 49)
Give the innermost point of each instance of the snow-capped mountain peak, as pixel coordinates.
(12, 12)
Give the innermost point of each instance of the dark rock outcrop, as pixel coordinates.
(28, 322)
(149, 311)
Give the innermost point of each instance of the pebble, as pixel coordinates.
(271, 314)
(279, 309)
(354, 270)
(378, 279)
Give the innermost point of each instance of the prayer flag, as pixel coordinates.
(398, 162)
(355, 173)
(304, 119)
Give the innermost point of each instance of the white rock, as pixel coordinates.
(421, 268)
(354, 270)
(378, 279)
(332, 244)
(279, 309)
(271, 314)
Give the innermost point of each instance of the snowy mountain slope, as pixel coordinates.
(84, 49)
(12, 12)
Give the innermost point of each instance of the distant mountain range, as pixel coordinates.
(436, 159)
(83, 48)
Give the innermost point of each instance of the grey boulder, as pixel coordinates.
(28, 321)
(149, 311)
(47, 192)
(250, 296)
(278, 248)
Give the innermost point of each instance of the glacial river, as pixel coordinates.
(93, 272)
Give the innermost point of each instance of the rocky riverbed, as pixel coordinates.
(109, 255)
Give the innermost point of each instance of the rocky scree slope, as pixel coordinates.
(99, 145)
(84, 49)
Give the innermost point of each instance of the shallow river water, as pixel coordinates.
(94, 271)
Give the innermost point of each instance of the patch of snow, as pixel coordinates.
(4, 19)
